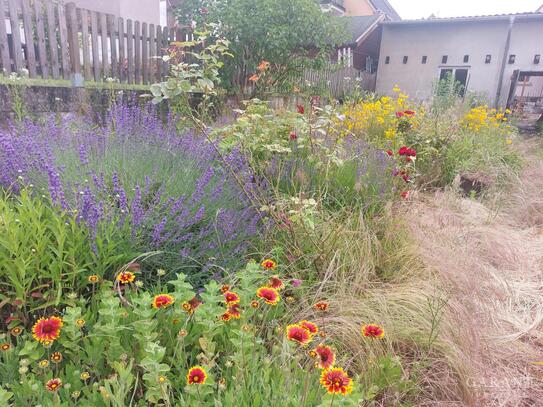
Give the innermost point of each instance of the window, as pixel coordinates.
(424, 59)
(460, 76)
(387, 60)
(444, 59)
(466, 59)
(537, 59)
(512, 58)
(488, 59)
(405, 60)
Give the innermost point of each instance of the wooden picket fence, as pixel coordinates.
(58, 40)
(340, 81)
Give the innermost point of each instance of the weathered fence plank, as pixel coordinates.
(137, 52)
(40, 32)
(152, 53)
(95, 47)
(29, 38)
(129, 52)
(73, 38)
(158, 61)
(85, 42)
(123, 63)
(144, 53)
(4, 46)
(164, 51)
(52, 35)
(63, 32)
(105, 50)
(15, 35)
(113, 46)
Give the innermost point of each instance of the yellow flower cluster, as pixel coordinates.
(481, 117)
(378, 120)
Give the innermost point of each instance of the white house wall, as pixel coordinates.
(476, 39)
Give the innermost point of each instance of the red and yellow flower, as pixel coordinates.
(276, 282)
(47, 329)
(225, 288)
(310, 326)
(56, 357)
(326, 357)
(321, 306)
(299, 334)
(269, 295)
(93, 279)
(226, 317)
(196, 375)
(5, 347)
(268, 264)
(255, 304)
(336, 381)
(234, 311)
(373, 331)
(231, 298)
(126, 277)
(53, 384)
(163, 301)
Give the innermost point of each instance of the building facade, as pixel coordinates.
(489, 55)
(145, 11)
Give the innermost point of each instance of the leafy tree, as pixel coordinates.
(292, 35)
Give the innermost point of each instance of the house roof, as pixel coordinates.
(468, 19)
(360, 25)
(385, 7)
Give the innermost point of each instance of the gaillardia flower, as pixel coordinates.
(255, 304)
(56, 357)
(196, 375)
(268, 264)
(225, 288)
(276, 282)
(336, 381)
(84, 375)
(16, 331)
(326, 357)
(47, 329)
(163, 301)
(321, 306)
(231, 298)
(310, 326)
(93, 279)
(5, 347)
(226, 317)
(53, 384)
(234, 311)
(373, 331)
(269, 295)
(80, 323)
(44, 363)
(126, 277)
(297, 333)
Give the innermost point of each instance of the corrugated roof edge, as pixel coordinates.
(492, 17)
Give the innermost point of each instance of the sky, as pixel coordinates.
(409, 9)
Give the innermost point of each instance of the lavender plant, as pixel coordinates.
(169, 191)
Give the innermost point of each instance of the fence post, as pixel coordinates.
(85, 42)
(52, 34)
(40, 31)
(95, 48)
(62, 23)
(73, 37)
(15, 35)
(4, 48)
(29, 38)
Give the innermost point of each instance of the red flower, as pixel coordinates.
(47, 329)
(390, 153)
(231, 298)
(225, 288)
(409, 113)
(405, 194)
(190, 306)
(298, 333)
(399, 114)
(196, 375)
(405, 151)
(234, 311)
(321, 306)
(125, 277)
(226, 317)
(336, 381)
(310, 326)
(268, 264)
(53, 384)
(293, 135)
(326, 355)
(373, 331)
(277, 283)
(163, 301)
(269, 295)
(300, 109)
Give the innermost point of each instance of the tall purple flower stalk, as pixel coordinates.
(163, 190)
